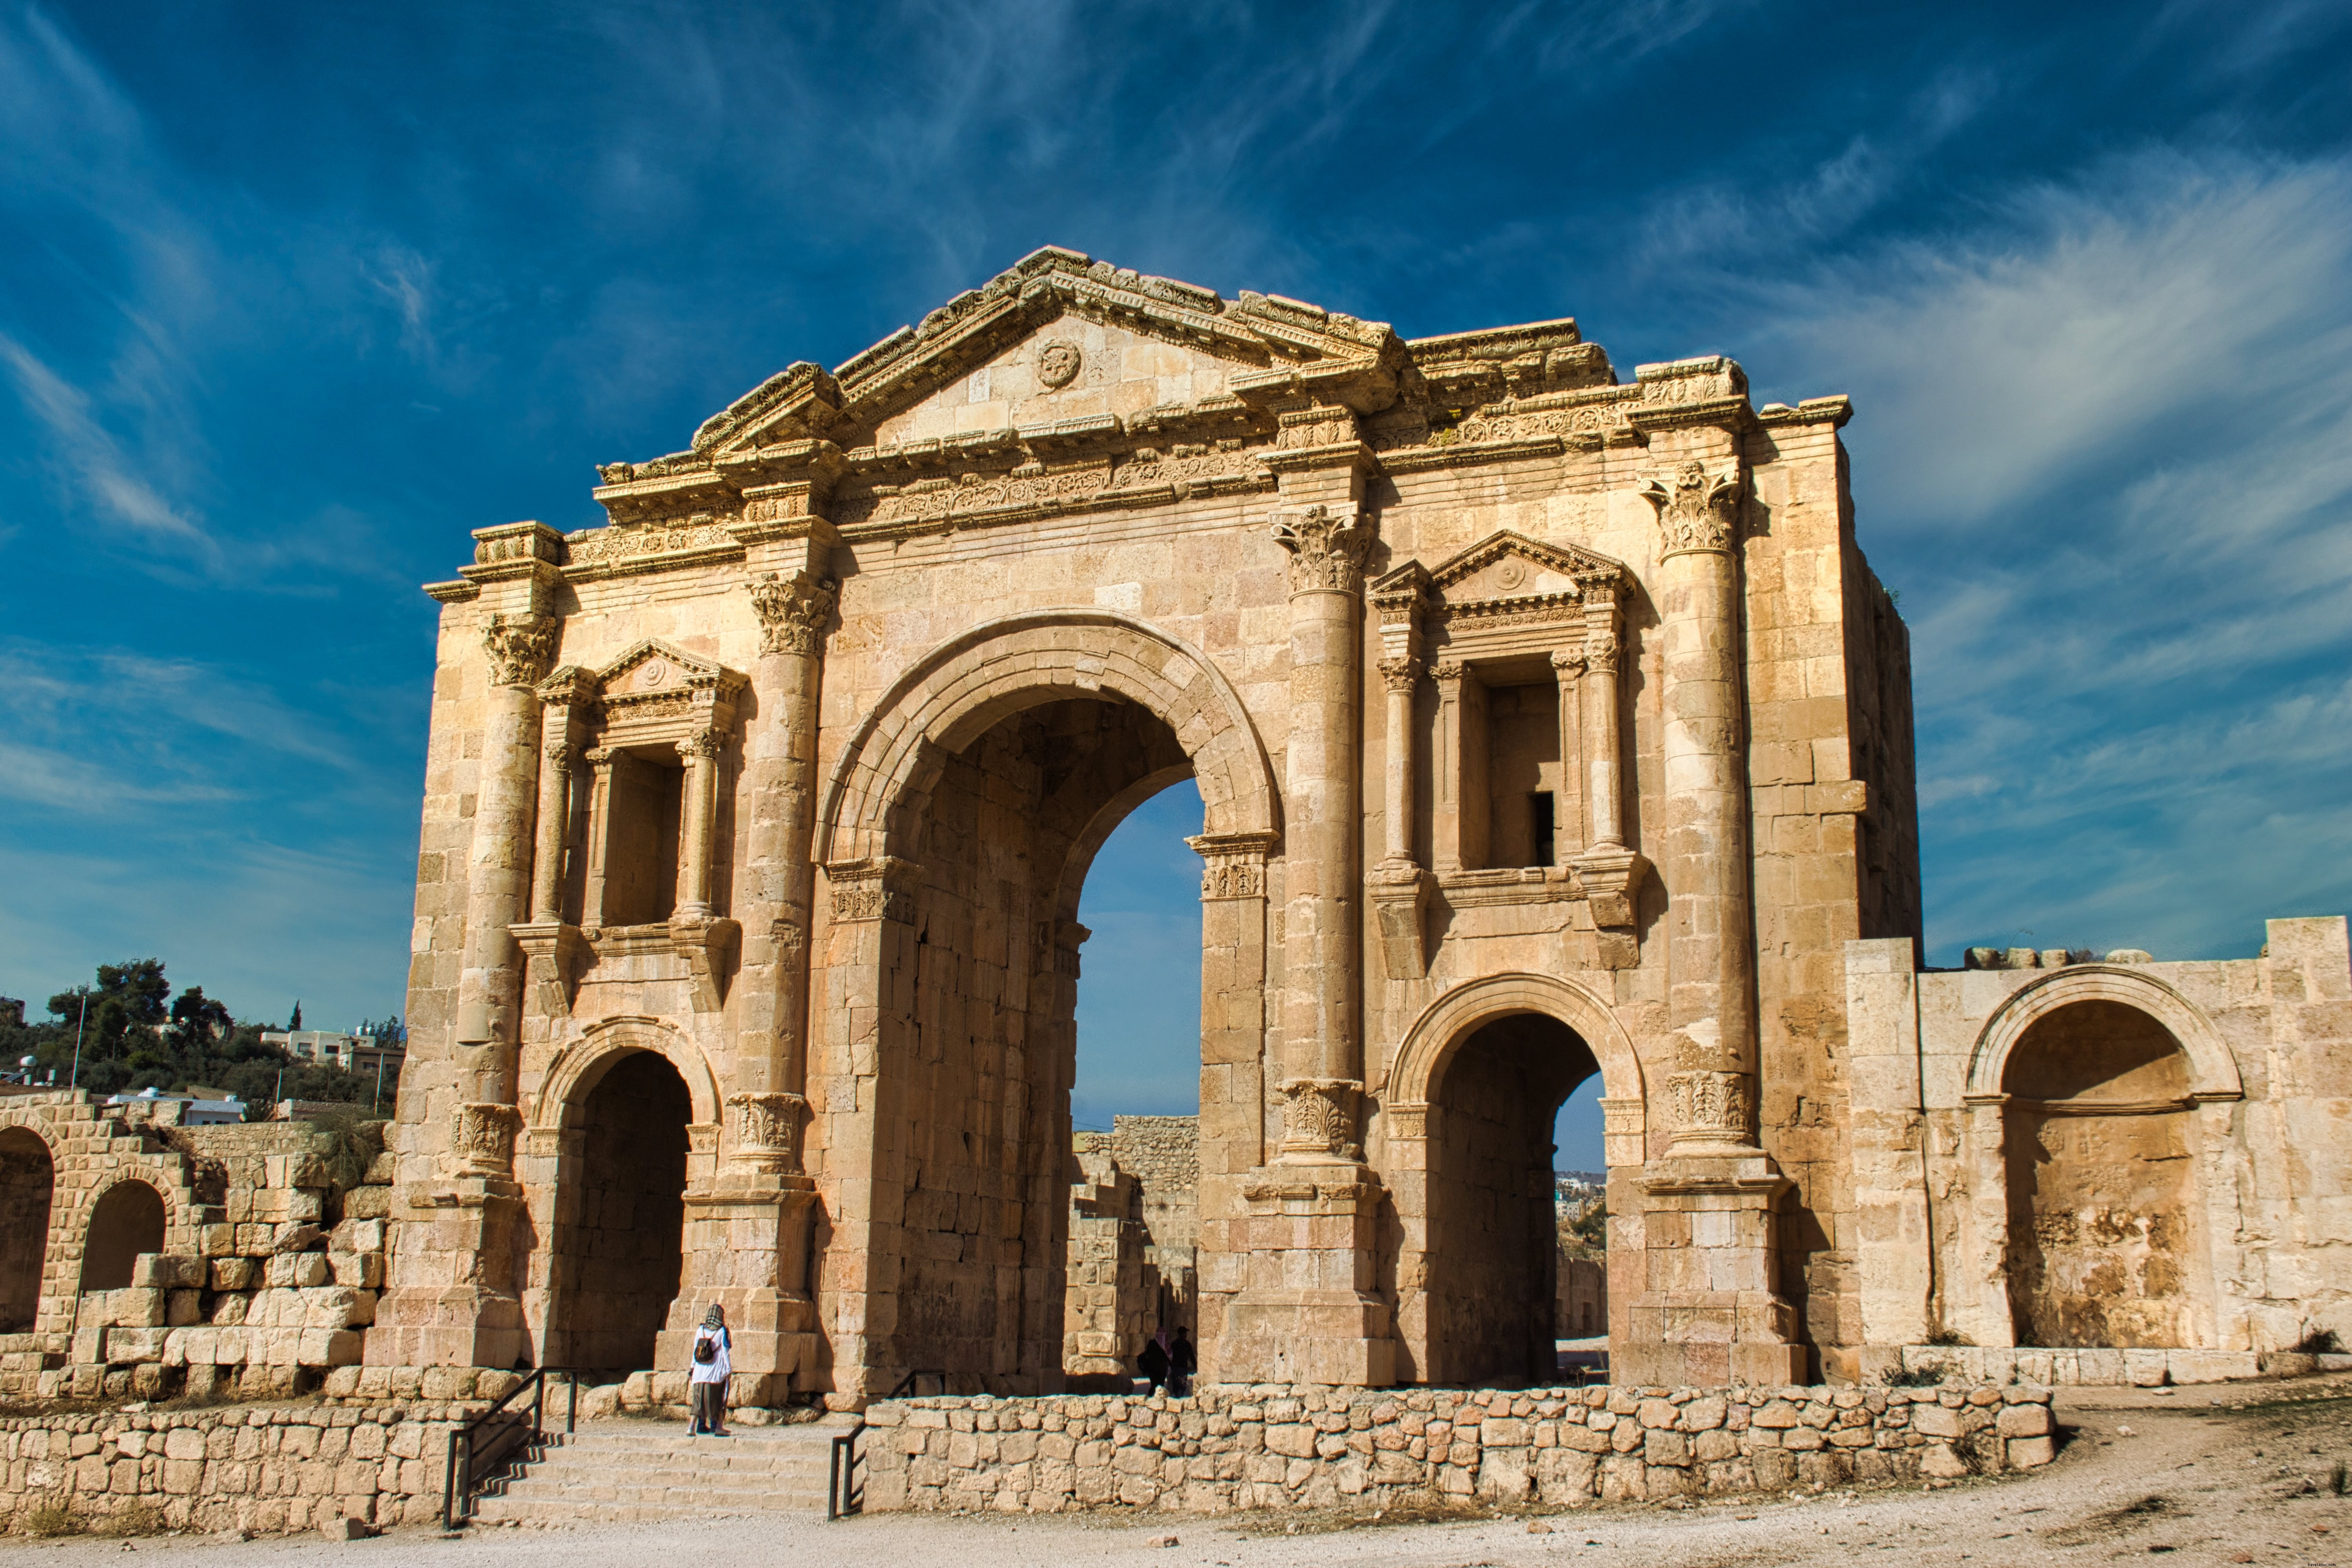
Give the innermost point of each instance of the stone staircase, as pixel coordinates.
(626, 1471)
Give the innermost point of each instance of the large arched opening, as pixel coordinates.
(1494, 1245)
(957, 833)
(127, 1221)
(2100, 1167)
(1473, 1101)
(27, 1185)
(620, 1222)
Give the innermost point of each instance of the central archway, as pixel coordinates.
(957, 830)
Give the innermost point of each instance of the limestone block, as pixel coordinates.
(367, 1203)
(126, 1344)
(182, 1308)
(299, 1269)
(2024, 1421)
(2210, 1366)
(166, 1271)
(2028, 1453)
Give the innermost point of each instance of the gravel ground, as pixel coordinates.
(2243, 1474)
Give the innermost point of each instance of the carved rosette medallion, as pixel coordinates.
(1401, 674)
(1232, 865)
(1058, 363)
(1319, 1118)
(1707, 1106)
(792, 612)
(1698, 506)
(767, 1130)
(481, 1138)
(521, 648)
(1327, 548)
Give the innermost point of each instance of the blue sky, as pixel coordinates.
(291, 298)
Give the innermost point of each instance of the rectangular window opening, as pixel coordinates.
(1540, 827)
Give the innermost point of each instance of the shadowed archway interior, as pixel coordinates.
(27, 1182)
(617, 1258)
(128, 1220)
(972, 1161)
(1494, 1251)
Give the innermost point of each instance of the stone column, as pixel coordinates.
(1611, 873)
(1401, 678)
(1569, 825)
(1711, 1312)
(1327, 546)
(555, 821)
(1400, 891)
(699, 752)
(499, 857)
(551, 944)
(1445, 838)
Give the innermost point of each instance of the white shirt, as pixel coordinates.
(716, 1369)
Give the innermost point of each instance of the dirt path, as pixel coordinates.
(2201, 1475)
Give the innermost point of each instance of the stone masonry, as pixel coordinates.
(1285, 1447)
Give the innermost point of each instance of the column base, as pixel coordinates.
(746, 1251)
(1710, 1313)
(1306, 1311)
(456, 1233)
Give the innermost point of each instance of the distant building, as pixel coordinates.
(362, 1054)
(195, 1112)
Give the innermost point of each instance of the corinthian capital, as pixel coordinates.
(792, 612)
(1401, 674)
(1319, 1118)
(1699, 505)
(1327, 547)
(521, 648)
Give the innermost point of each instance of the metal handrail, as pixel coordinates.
(842, 1494)
(479, 1460)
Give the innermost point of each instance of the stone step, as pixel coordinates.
(609, 1474)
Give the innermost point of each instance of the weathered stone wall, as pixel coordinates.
(1239, 1448)
(243, 1468)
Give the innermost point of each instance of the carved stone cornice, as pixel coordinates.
(514, 550)
(1232, 864)
(792, 612)
(1327, 546)
(521, 648)
(1318, 1118)
(1699, 505)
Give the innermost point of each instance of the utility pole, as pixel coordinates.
(74, 1082)
(379, 1077)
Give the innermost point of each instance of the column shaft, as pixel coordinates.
(1400, 677)
(499, 857)
(701, 754)
(1446, 845)
(1597, 692)
(554, 819)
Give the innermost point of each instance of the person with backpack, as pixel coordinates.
(708, 1377)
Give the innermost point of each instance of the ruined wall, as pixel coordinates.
(1271, 1446)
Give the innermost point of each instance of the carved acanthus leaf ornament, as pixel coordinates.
(521, 648)
(1699, 505)
(482, 1136)
(1327, 548)
(792, 612)
(1709, 1106)
(1319, 1116)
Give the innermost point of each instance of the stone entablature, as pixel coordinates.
(1306, 1446)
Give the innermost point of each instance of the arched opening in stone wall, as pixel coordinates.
(1491, 1271)
(617, 1259)
(1580, 1199)
(128, 1220)
(1135, 1098)
(28, 1183)
(974, 1160)
(2101, 1181)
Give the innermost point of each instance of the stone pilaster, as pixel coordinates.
(1710, 1309)
(1611, 873)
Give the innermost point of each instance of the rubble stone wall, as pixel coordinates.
(237, 1468)
(1240, 1447)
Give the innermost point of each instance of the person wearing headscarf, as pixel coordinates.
(1184, 1361)
(706, 1378)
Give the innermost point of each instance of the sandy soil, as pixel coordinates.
(2236, 1475)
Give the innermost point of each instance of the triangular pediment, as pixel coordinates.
(1508, 566)
(653, 667)
(1059, 332)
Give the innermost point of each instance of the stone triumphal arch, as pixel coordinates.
(1547, 724)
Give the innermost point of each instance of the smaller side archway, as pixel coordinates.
(129, 1218)
(1467, 1118)
(27, 1188)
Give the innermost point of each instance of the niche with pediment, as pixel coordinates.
(654, 725)
(1511, 630)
